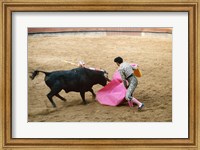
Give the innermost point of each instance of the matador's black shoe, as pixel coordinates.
(140, 108)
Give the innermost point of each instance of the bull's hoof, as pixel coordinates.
(84, 103)
(93, 96)
(54, 105)
(64, 100)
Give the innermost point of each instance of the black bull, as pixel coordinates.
(77, 80)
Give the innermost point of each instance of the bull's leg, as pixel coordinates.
(62, 98)
(83, 97)
(50, 95)
(54, 91)
(93, 94)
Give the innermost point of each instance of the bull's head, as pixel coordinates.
(106, 76)
(103, 77)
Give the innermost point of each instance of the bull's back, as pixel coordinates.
(70, 80)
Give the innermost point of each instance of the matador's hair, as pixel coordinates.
(118, 60)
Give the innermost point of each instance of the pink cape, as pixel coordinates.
(113, 93)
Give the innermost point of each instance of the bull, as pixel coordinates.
(78, 80)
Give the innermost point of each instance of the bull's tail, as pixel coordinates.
(36, 72)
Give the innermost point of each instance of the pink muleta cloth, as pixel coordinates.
(114, 92)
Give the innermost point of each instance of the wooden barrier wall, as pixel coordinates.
(110, 31)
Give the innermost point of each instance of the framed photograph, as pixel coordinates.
(107, 75)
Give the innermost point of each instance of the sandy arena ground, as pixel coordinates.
(152, 53)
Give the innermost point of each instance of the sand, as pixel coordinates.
(152, 52)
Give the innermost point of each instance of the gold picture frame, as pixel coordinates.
(9, 6)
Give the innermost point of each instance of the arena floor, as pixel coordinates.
(152, 52)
